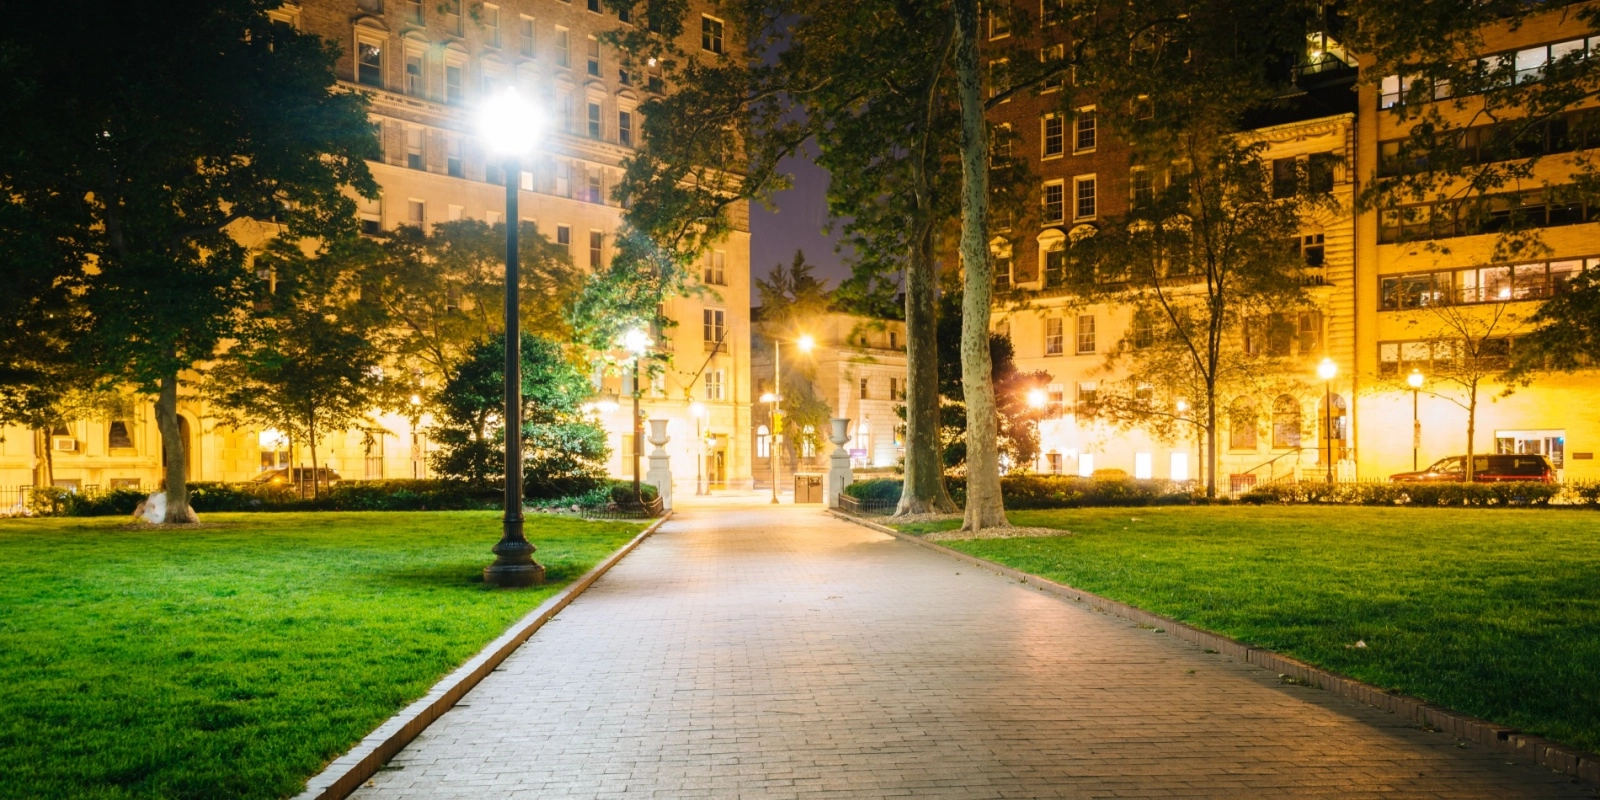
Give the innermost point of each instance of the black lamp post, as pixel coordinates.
(1415, 380)
(508, 123)
(637, 343)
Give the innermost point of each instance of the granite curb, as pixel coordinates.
(346, 773)
(1498, 738)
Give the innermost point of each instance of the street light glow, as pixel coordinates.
(697, 408)
(768, 397)
(509, 123)
(1036, 398)
(635, 341)
(806, 342)
(1327, 369)
(1415, 379)
(1183, 405)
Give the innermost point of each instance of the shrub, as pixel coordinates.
(876, 489)
(1426, 495)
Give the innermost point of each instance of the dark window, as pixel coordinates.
(1284, 181)
(119, 437)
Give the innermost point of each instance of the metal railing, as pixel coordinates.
(650, 509)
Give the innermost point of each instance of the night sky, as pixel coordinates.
(797, 222)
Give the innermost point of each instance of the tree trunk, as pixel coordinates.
(1472, 426)
(985, 505)
(311, 442)
(44, 472)
(1211, 447)
(176, 469)
(923, 491)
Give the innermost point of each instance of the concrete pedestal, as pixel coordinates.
(839, 473)
(660, 472)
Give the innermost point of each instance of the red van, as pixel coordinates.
(1485, 469)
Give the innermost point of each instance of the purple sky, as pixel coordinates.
(797, 222)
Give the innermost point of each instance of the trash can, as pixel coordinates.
(807, 488)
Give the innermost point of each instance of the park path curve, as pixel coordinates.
(755, 651)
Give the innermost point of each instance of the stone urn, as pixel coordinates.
(660, 472)
(839, 473)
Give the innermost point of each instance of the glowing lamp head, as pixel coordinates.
(416, 399)
(806, 342)
(1183, 405)
(607, 406)
(697, 409)
(1327, 369)
(1036, 398)
(509, 123)
(635, 341)
(768, 397)
(1415, 379)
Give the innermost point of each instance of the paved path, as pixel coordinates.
(747, 651)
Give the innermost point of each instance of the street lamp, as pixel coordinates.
(1326, 371)
(509, 125)
(806, 342)
(698, 411)
(772, 439)
(1415, 379)
(636, 342)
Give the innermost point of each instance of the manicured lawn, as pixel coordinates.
(1492, 612)
(235, 661)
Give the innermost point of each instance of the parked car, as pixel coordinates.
(301, 475)
(1485, 469)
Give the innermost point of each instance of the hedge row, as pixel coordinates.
(1062, 491)
(389, 495)
(1523, 494)
(1050, 491)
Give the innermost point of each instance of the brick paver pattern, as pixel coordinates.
(776, 652)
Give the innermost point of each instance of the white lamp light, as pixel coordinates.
(768, 397)
(1327, 369)
(635, 341)
(509, 123)
(697, 408)
(806, 342)
(1415, 379)
(1036, 398)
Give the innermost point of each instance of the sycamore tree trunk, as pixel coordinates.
(311, 442)
(985, 506)
(44, 468)
(923, 490)
(176, 469)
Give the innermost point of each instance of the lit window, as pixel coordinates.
(1143, 466)
(715, 383)
(1086, 465)
(1086, 333)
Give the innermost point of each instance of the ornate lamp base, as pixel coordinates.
(514, 576)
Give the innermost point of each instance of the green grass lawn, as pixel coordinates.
(235, 661)
(1492, 612)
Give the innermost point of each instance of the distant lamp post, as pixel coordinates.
(698, 411)
(509, 125)
(772, 437)
(1036, 400)
(806, 342)
(1326, 371)
(1415, 380)
(636, 342)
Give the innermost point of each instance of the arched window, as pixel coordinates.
(1285, 422)
(1242, 424)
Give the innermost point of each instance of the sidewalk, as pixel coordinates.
(750, 650)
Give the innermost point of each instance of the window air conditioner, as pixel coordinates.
(66, 444)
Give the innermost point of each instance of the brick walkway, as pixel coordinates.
(747, 651)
